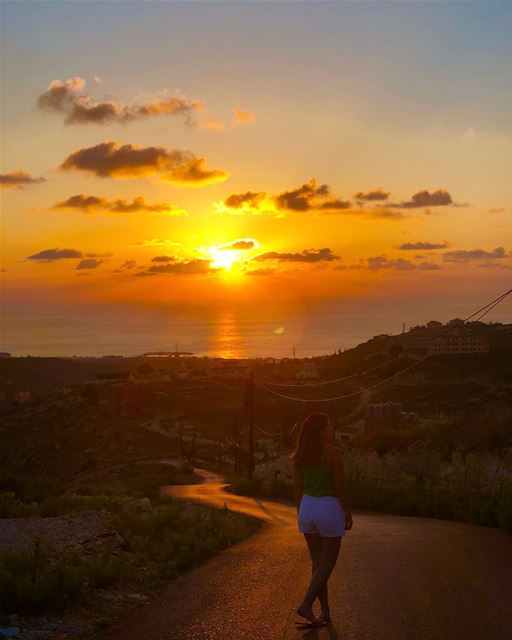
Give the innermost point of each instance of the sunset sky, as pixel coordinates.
(225, 153)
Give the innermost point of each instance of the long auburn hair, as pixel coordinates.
(309, 447)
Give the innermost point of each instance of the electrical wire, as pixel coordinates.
(483, 311)
(275, 435)
(324, 382)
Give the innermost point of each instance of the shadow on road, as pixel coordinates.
(326, 633)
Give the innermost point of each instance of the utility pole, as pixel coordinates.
(250, 407)
(194, 445)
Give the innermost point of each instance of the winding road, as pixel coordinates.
(397, 579)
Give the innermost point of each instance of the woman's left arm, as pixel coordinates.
(297, 485)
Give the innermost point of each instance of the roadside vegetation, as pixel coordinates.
(155, 547)
(455, 470)
(25, 496)
(151, 546)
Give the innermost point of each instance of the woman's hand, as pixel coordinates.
(348, 521)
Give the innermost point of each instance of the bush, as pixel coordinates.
(157, 546)
(473, 487)
(31, 582)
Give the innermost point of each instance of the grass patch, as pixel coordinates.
(25, 497)
(157, 546)
(474, 488)
(138, 481)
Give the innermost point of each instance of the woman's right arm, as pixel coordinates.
(341, 488)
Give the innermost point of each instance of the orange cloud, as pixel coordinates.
(18, 180)
(71, 99)
(424, 198)
(307, 255)
(372, 196)
(242, 117)
(308, 197)
(116, 160)
(94, 204)
(198, 266)
(195, 173)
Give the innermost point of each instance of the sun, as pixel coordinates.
(223, 259)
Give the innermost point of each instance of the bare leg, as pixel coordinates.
(328, 556)
(314, 542)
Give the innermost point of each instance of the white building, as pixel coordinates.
(458, 344)
(309, 371)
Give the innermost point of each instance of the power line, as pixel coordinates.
(483, 311)
(491, 305)
(324, 382)
(276, 435)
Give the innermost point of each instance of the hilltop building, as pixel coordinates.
(309, 371)
(459, 340)
(457, 344)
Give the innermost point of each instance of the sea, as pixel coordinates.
(310, 328)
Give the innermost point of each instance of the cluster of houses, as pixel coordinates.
(436, 340)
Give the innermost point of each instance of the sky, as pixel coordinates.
(173, 154)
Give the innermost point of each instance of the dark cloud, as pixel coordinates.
(18, 180)
(163, 259)
(50, 255)
(249, 198)
(197, 266)
(71, 99)
(423, 246)
(308, 255)
(424, 198)
(128, 264)
(98, 255)
(497, 210)
(90, 263)
(239, 245)
(308, 197)
(113, 159)
(91, 204)
(398, 264)
(474, 254)
(372, 196)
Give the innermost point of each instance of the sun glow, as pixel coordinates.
(223, 259)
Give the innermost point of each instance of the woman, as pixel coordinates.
(323, 508)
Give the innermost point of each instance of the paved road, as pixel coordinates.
(397, 579)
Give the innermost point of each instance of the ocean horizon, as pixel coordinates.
(312, 329)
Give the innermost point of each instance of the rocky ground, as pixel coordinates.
(79, 531)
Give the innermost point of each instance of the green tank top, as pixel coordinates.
(318, 480)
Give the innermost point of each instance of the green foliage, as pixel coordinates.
(31, 582)
(24, 497)
(158, 546)
(173, 539)
(474, 487)
(138, 481)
